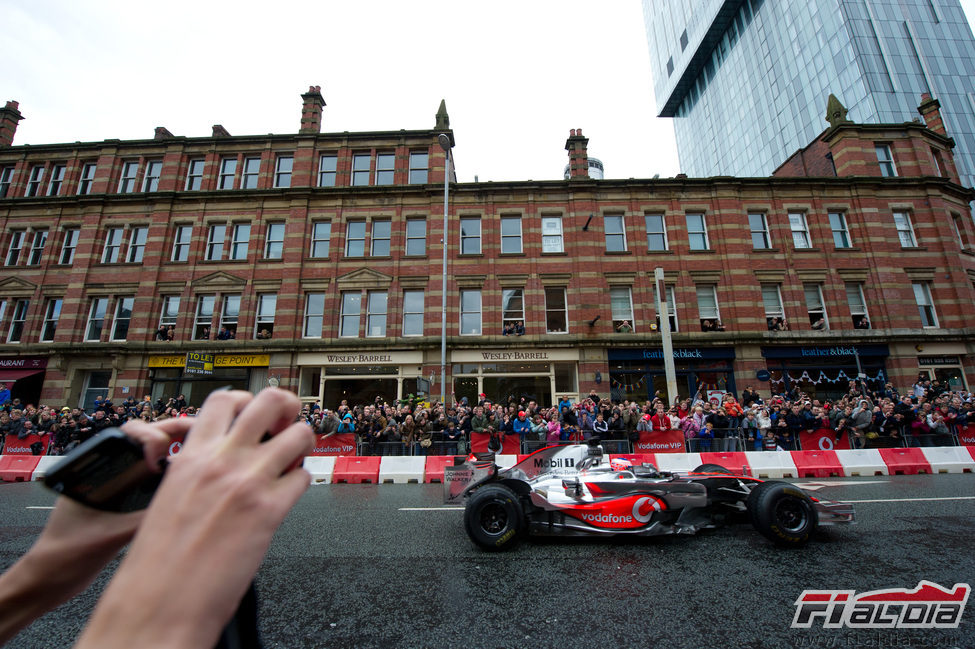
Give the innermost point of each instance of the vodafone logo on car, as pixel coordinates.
(626, 513)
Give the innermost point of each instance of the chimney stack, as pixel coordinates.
(930, 110)
(9, 117)
(578, 156)
(162, 133)
(220, 131)
(311, 110)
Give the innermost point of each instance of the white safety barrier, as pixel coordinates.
(949, 459)
(771, 464)
(44, 466)
(320, 468)
(506, 461)
(402, 469)
(862, 462)
(681, 462)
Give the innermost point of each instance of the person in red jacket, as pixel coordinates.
(660, 422)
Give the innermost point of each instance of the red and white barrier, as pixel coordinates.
(862, 462)
(817, 464)
(402, 470)
(950, 459)
(771, 465)
(679, 462)
(357, 470)
(320, 468)
(905, 461)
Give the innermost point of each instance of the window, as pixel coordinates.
(204, 317)
(126, 183)
(470, 312)
(194, 175)
(282, 171)
(885, 160)
(360, 168)
(922, 294)
(123, 315)
(327, 166)
(57, 179)
(470, 237)
(416, 237)
(321, 237)
(113, 244)
(355, 239)
(758, 225)
(905, 231)
(52, 313)
(16, 245)
(229, 315)
(552, 234)
(413, 313)
(35, 181)
(381, 233)
(858, 305)
(349, 315)
(615, 236)
(274, 245)
(228, 170)
(87, 178)
(150, 183)
(215, 238)
(96, 319)
(376, 302)
(510, 234)
(267, 304)
(707, 308)
(6, 178)
(181, 242)
(697, 232)
(314, 315)
(556, 313)
(656, 232)
(938, 163)
(815, 306)
(841, 234)
(621, 305)
(671, 308)
(385, 168)
(170, 311)
(249, 176)
(137, 244)
(774, 314)
(800, 230)
(418, 168)
(37, 248)
(238, 245)
(512, 308)
(17, 321)
(68, 245)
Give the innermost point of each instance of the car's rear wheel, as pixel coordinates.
(494, 518)
(782, 512)
(711, 468)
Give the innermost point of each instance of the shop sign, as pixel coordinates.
(219, 360)
(26, 363)
(680, 353)
(166, 361)
(938, 360)
(836, 351)
(197, 363)
(356, 359)
(513, 355)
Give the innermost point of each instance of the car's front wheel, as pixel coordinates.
(782, 513)
(494, 518)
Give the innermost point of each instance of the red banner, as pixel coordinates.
(823, 439)
(510, 444)
(338, 444)
(671, 441)
(16, 446)
(966, 435)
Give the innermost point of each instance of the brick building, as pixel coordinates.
(321, 253)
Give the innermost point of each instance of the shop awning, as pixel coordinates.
(10, 376)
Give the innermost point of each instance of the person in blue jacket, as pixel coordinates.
(521, 425)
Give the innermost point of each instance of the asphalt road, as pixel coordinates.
(355, 566)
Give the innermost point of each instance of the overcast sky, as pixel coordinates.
(516, 75)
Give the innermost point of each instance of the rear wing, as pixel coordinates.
(465, 474)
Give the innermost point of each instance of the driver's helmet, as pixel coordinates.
(621, 464)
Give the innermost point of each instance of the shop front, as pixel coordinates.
(541, 375)
(825, 372)
(174, 374)
(22, 377)
(358, 377)
(638, 374)
(946, 369)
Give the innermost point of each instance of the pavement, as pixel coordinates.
(389, 566)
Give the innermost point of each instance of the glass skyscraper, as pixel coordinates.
(746, 81)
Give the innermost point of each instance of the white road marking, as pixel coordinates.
(908, 500)
(38, 507)
(430, 509)
(819, 484)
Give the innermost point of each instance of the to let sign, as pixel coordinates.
(198, 363)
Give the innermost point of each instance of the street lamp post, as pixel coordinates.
(444, 141)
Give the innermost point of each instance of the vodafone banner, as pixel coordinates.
(338, 444)
(966, 436)
(510, 444)
(823, 439)
(671, 441)
(16, 446)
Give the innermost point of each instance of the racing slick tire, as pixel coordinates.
(781, 512)
(494, 518)
(711, 468)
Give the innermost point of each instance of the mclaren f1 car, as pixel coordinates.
(573, 490)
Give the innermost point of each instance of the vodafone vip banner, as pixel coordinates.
(510, 444)
(823, 439)
(966, 435)
(16, 446)
(338, 444)
(671, 441)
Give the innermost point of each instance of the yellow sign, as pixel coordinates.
(221, 360)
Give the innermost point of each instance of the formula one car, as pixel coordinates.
(573, 490)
